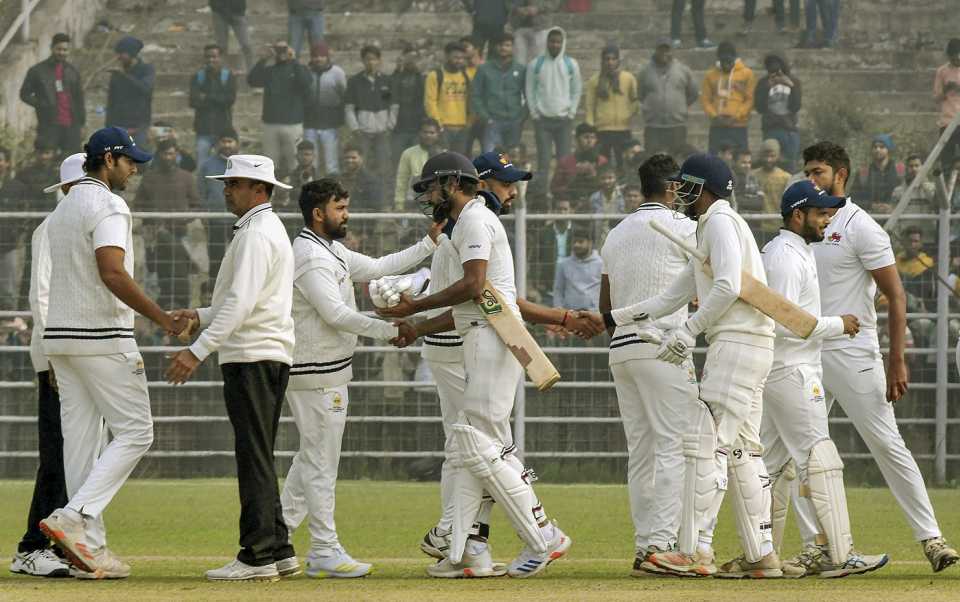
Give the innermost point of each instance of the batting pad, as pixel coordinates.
(829, 498)
(703, 481)
(467, 498)
(480, 455)
(780, 501)
(750, 490)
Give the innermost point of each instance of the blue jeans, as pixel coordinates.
(553, 136)
(329, 141)
(829, 11)
(789, 145)
(502, 133)
(205, 143)
(734, 136)
(309, 22)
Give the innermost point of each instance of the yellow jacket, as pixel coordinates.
(611, 111)
(447, 103)
(729, 94)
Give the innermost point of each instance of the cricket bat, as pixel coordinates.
(755, 293)
(517, 338)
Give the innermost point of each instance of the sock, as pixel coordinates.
(766, 547)
(548, 531)
(475, 546)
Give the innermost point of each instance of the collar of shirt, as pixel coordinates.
(310, 235)
(249, 215)
(472, 204)
(794, 240)
(648, 206)
(93, 181)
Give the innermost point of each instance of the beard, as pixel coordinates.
(336, 233)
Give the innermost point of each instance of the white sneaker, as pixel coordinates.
(39, 563)
(289, 567)
(470, 566)
(239, 571)
(69, 535)
(436, 544)
(529, 563)
(340, 565)
(108, 567)
(855, 564)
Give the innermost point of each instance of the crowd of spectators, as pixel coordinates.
(512, 73)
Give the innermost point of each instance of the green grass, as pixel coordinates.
(172, 531)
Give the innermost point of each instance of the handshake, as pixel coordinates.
(183, 323)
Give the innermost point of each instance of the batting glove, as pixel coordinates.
(677, 347)
(648, 333)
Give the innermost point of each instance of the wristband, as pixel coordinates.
(566, 313)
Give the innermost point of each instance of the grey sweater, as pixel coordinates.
(666, 92)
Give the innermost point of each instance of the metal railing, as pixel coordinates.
(21, 23)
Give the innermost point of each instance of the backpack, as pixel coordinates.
(224, 76)
(438, 71)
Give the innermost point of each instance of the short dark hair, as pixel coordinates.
(59, 38)
(953, 47)
(605, 169)
(632, 188)
(430, 122)
(741, 151)
(352, 148)
(453, 47)
(581, 231)
(369, 49)
(93, 162)
(832, 154)
(306, 145)
(725, 147)
(585, 128)
(654, 173)
(213, 47)
(229, 132)
(475, 42)
(317, 194)
(914, 156)
(165, 145)
(504, 37)
(912, 229)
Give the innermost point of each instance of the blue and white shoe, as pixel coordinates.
(855, 564)
(340, 565)
(529, 563)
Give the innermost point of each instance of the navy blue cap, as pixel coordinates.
(117, 141)
(708, 170)
(497, 166)
(807, 194)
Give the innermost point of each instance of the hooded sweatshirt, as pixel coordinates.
(554, 84)
(729, 94)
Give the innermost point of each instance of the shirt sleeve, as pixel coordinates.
(679, 294)
(252, 263)
(726, 261)
(364, 268)
(112, 231)
(475, 240)
(872, 245)
(319, 286)
(39, 295)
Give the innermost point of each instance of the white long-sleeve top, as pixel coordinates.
(632, 281)
(445, 270)
(325, 306)
(792, 271)
(249, 320)
(725, 238)
(39, 295)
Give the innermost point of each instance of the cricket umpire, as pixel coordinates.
(251, 327)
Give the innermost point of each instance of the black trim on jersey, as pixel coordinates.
(456, 337)
(63, 329)
(441, 344)
(87, 334)
(308, 234)
(93, 181)
(321, 367)
(87, 337)
(652, 206)
(847, 223)
(243, 221)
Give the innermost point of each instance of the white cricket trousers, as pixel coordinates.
(492, 376)
(451, 383)
(656, 401)
(856, 379)
(794, 418)
(309, 489)
(95, 389)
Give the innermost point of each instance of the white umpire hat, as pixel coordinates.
(251, 167)
(71, 170)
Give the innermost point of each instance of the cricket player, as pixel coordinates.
(794, 424)
(34, 555)
(722, 445)
(656, 399)
(88, 339)
(492, 375)
(853, 261)
(328, 323)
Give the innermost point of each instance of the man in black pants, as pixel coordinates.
(34, 555)
(250, 325)
(53, 88)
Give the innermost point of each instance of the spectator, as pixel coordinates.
(772, 181)
(305, 16)
(521, 160)
(366, 193)
(576, 176)
(496, 97)
(285, 83)
(130, 92)
(873, 186)
(699, 25)
(632, 198)
(166, 186)
(25, 190)
(53, 88)
(829, 11)
(577, 283)
(633, 156)
(553, 88)
(726, 154)
(411, 164)
(445, 94)
(552, 245)
(323, 113)
(232, 14)
(368, 111)
(746, 188)
(213, 90)
(666, 88)
(609, 198)
(473, 58)
(6, 173)
(489, 19)
(779, 15)
(919, 283)
(219, 230)
(611, 102)
(923, 198)
(305, 171)
(946, 91)
(727, 98)
(407, 94)
(527, 20)
(472, 54)
(777, 99)
(164, 130)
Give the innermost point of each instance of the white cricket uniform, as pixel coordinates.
(794, 408)
(656, 399)
(444, 356)
(89, 341)
(853, 372)
(492, 373)
(328, 323)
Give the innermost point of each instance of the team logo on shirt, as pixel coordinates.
(336, 405)
(835, 238)
(139, 369)
(816, 393)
